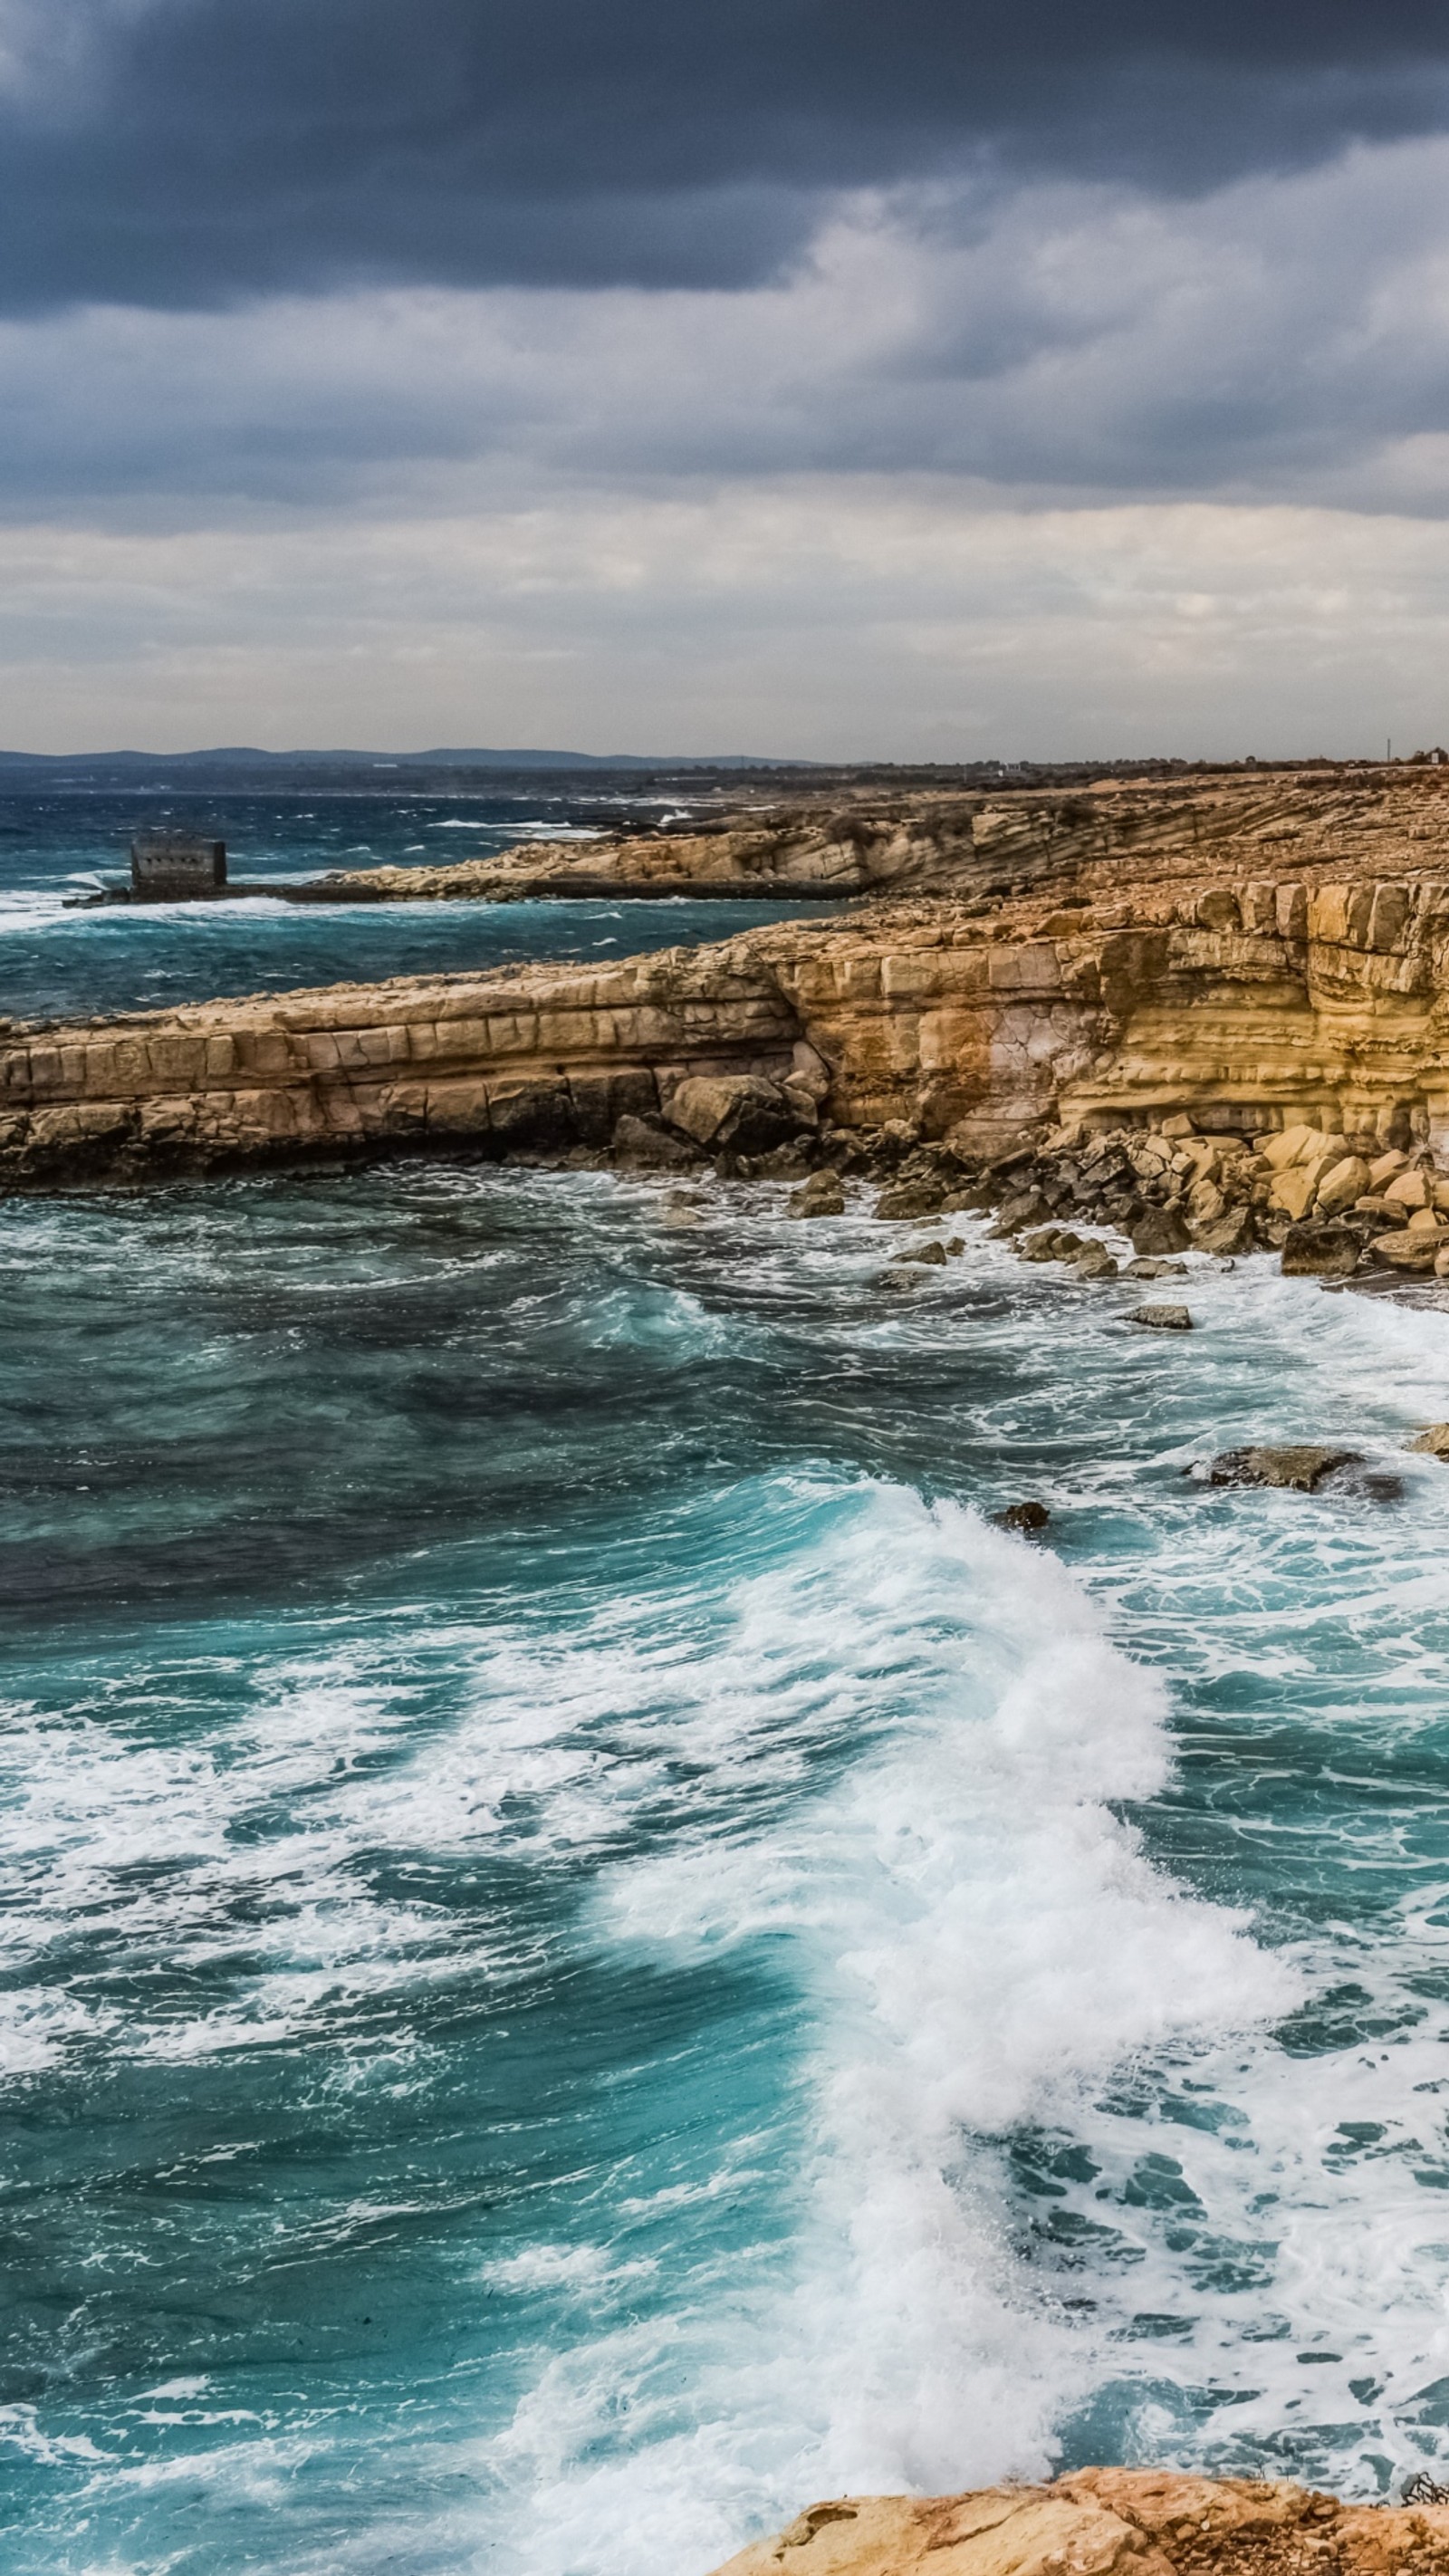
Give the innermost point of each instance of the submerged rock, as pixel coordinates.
(1027, 1518)
(930, 1254)
(1162, 1319)
(822, 1195)
(1298, 1469)
(1155, 1270)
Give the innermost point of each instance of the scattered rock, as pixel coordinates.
(1094, 1261)
(1434, 1442)
(1027, 1517)
(1155, 1270)
(1340, 1187)
(1160, 1230)
(732, 1112)
(822, 1195)
(899, 1279)
(955, 1246)
(931, 1255)
(1228, 1235)
(1162, 1319)
(1300, 1470)
(911, 1199)
(1320, 1252)
(640, 1140)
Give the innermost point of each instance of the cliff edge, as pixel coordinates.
(1108, 2522)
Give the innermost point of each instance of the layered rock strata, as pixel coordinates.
(1254, 959)
(1108, 2522)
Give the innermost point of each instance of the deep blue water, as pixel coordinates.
(590, 1954)
(56, 962)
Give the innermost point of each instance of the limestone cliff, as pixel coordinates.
(1254, 954)
(1108, 2522)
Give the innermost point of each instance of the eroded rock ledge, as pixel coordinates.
(1252, 957)
(1108, 2522)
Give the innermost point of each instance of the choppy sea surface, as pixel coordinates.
(589, 1953)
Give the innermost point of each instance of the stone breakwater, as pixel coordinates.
(1108, 2522)
(1254, 960)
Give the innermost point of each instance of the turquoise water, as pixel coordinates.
(57, 962)
(590, 1954)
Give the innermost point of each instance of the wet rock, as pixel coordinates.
(1434, 1442)
(822, 1195)
(1021, 1209)
(1320, 1252)
(1155, 1270)
(899, 1279)
(930, 1255)
(742, 1113)
(1029, 1518)
(1160, 1230)
(1162, 1319)
(1051, 1243)
(955, 1246)
(640, 1140)
(1094, 1261)
(1300, 1470)
(911, 1199)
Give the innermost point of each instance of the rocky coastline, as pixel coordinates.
(1104, 2522)
(1212, 1017)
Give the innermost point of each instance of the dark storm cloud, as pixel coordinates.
(182, 152)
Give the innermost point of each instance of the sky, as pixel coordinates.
(842, 379)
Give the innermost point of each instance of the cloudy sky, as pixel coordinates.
(914, 379)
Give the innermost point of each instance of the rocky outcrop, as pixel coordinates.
(1251, 981)
(1108, 2522)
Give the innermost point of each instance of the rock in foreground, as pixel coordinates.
(1148, 2522)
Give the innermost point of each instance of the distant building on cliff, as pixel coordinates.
(173, 865)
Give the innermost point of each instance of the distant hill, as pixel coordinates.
(230, 760)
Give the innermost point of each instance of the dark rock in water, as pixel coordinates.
(822, 1195)
(1301, 1470)
(638, 1140)
(932, 1254)
(911, 1199)
(1155, 1270)
(1045, 1245)
(1160, 1230)
(1028, 1517)
(1162, 1319)
(1227, 1235)
(1094, 1261)
(899, 1279)
(955, 1246)
(1320, 1252)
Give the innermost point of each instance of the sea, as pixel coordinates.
(591, 1953)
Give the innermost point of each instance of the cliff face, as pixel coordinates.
(1256, 956)
(1108, 2522)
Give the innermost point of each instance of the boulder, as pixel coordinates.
(1022, 1208)
(640, 1140)
(1411, 1189)
(1155, 1270)
(1320, 1252)
(1094, 1261)
(1342, 1183)
(1408, 1248)
(822, 1195)
(1385, 1168)
(1160, 1230)
(1228, 1235)
(1300, 1470)
(911, 1199)
(1434, 1442)
(1162, 1319)
(1027, 1517)
(1205, 1203)
(732, 1112)
(931, 1255)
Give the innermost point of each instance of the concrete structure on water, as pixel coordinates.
(170, 867)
